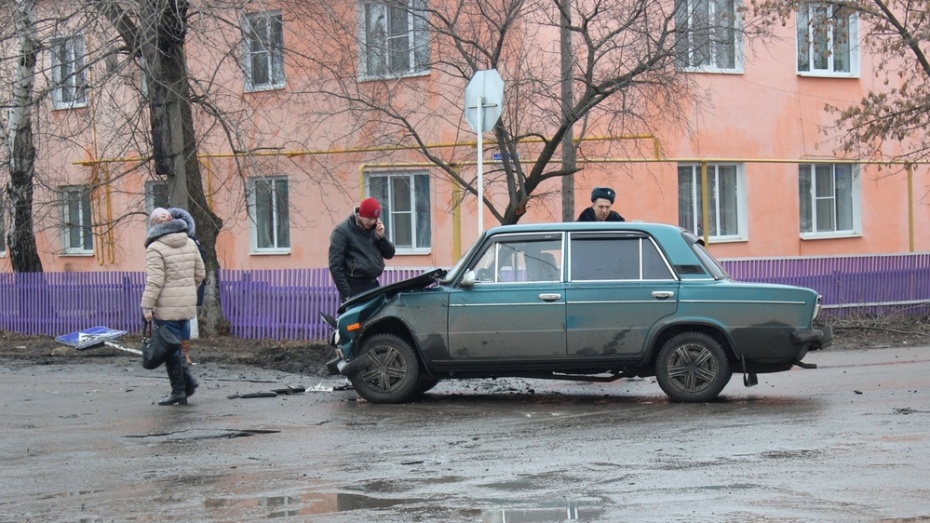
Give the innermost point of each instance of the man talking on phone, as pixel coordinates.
(357, 250)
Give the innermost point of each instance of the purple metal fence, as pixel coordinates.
(850, 285)
(54, 303)
(286, 304)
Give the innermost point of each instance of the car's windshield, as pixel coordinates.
(453, 272)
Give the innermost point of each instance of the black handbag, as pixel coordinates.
(158, 344)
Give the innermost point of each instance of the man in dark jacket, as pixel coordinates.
(357, 250)
(602, 199)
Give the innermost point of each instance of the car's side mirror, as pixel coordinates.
(468, 280)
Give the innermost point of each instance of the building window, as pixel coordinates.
(263, 51)
(828, 37)
(405, 209)
(726, 208)
(394, 40)
(829, 199)
(706, 35)
(68, 76)
(77, 225)
(156, 195)
(270, 227)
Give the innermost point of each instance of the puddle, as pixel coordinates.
(310, 504)
(273, 507)
(567, 511)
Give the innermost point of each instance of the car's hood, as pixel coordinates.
(417, 282)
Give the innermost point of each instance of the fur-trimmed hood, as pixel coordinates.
(181, 214)
(162, 229)
(182, 222)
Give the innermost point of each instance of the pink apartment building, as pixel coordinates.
(756, 130)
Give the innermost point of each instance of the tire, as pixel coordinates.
(388, 370)
(692, 368)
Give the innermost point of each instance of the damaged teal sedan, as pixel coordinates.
(575, 301)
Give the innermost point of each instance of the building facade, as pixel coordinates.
(750, 160)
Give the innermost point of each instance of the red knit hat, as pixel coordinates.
(369, 208)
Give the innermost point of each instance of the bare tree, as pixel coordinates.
(623, 80)
(897, 34)
(155, 31)
(21, 239)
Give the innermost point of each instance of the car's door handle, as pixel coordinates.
(550, 297)
(662, 295)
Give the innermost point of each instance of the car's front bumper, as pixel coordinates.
(338, 366)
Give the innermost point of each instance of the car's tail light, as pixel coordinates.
(817, 307)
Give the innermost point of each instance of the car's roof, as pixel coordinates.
(575, 226)
(670, 237)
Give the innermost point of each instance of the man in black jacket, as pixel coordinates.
(357, 250)
(602, 199)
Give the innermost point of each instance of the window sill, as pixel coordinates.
(409, 74)
(830, 235)
(726, 239)
(711, 70)
(270, 252)
(77, 254)
(828, 74)
(263, 88)
(412, 252)
(66, 107)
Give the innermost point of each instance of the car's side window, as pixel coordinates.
(520, 260)
(609, 257)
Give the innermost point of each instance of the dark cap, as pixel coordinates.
(603, 192)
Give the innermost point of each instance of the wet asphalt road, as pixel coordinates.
(846, 442)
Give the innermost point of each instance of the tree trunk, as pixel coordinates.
(21, 240)
(174, 144)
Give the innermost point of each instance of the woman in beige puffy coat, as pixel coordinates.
(173, 270)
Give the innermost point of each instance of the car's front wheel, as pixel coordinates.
(692, 368)
(388, 370)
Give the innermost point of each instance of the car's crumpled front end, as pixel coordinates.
(357, 310)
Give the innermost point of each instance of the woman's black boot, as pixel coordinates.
(176, 376)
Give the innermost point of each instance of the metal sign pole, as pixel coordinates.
(480, 105)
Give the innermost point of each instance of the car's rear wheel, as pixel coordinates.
(388, 370)
(692, 368)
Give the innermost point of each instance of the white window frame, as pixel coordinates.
(150, 196)
(807, 47)
(83, 212)
(420, 241)
(686, 15)
(832, 197)
(69, 79)
(279, 245)
(268, 47)
(416, 37)
(693, 198)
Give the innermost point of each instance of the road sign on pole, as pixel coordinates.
(484, 97)
(488, 86)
